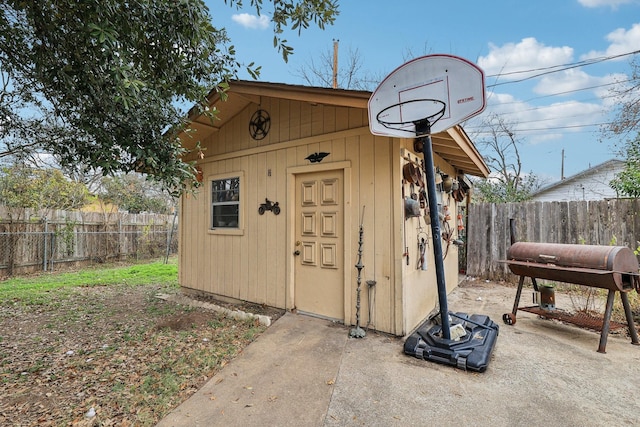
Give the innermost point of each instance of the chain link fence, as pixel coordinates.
(43, 246)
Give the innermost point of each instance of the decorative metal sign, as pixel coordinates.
(259, 124)
(268, 205)
(316, 157)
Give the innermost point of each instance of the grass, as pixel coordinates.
(100, 338)
(37, 290)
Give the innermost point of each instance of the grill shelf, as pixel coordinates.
(579, 319)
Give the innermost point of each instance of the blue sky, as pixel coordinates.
(550, 113)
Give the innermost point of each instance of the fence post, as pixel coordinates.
(170, 236)
(44, 257)
(121, 239)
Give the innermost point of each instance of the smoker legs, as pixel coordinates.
(630, 323)
(510, 318)
(606, 322)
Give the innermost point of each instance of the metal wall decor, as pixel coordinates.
(316, 157)
(259, 124)
(268, 205)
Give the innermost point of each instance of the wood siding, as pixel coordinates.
(420, 289)
(592, 184)
(256, 264)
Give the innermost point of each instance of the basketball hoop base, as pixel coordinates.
(470, 351)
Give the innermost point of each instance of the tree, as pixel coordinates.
(131, 192)
(22, 188)
(507, 182)
(96, 82)
(626, 107)
(319, 71)
(627, 122)
(627, 182)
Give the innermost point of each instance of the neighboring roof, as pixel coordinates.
(454, 145)
(580, 175)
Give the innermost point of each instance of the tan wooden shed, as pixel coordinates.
(267, 147)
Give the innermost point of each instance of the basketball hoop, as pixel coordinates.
(395, 116)
(419, 88)
(422, 97)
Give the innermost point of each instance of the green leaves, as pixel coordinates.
(627, 182)
(108, 35)
(22, 187)
(132, 193)
(298, 16)
(97, 82)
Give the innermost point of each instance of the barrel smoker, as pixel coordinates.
(614, 268)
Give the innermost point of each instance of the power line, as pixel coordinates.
(548, 119)
(566, 92)
(543, 107)
(540, 108)
(556, 68)
(550, 70)
(515, 131)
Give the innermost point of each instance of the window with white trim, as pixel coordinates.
(225, 203)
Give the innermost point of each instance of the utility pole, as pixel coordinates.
(562, 167)
(335, 63)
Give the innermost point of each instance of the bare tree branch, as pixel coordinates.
(507, 182)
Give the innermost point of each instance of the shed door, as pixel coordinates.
(319, 277)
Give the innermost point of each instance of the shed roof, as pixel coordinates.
(453, 145)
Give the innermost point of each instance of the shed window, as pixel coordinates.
(225, 203)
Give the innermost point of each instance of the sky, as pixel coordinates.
(552, 111)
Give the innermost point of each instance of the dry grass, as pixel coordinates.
(117, 349)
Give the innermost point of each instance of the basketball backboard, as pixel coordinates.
(444, 88)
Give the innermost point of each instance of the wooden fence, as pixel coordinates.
(606, 222)
(29, 242)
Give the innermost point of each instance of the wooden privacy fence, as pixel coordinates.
(31, 243)
(605, 222)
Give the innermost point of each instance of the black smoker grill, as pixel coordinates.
(614, 268)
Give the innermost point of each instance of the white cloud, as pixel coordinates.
(528, 54)
(570, 113)
(541, 138)
(622, 41)
(613, 4)
(540, 123)
(253, 22)
(566, 81)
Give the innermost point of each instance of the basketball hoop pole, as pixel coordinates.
(423, 129)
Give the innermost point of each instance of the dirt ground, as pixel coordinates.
(118, 349)
(111, 349)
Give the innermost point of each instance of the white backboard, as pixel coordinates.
(404, 96)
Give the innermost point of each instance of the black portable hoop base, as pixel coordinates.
(473, 350)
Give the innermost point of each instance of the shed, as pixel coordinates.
(589, 184)
(310, 150)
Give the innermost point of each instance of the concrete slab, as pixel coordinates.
(284, 378)
(542, 372)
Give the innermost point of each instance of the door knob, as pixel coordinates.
(297, 252)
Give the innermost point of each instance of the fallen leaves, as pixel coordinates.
(100, 347)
